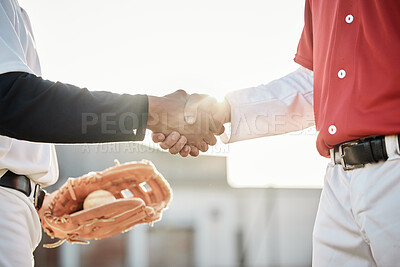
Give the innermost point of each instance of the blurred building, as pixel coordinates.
(208, 223)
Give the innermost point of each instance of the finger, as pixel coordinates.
(175, 149)
(185, 151)
(170, 141)
(157, 137)
(219, 131)
(202, 146)
(216, 127)
(218, 119)
(209, 139)
(191, 106)
(194, 151)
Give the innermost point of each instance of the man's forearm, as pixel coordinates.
(282, 106)
(38, 110)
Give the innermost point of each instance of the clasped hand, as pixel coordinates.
(186, 124)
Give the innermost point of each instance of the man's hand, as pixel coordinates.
(175, 143)
(197, 106)
(220, 112)
(166, 115)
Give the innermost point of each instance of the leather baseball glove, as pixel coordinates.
(141, 194)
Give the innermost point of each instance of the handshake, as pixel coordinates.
(186, 124)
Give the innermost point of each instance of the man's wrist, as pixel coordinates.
(155, 110)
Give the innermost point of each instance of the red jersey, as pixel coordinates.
(353, 48)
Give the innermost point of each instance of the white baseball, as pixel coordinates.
(97, 198)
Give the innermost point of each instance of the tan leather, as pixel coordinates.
(62, 215)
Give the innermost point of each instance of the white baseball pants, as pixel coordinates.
(20, 230)
(358, 220)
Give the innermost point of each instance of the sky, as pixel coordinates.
(210, 46)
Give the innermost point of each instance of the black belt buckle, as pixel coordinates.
(342, 155)
(22, 184)
(38, 197)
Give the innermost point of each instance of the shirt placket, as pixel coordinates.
(342, 70)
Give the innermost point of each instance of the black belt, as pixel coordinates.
(23, 184)
(357, 153)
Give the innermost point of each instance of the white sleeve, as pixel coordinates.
(281, 106)
(14, 39)
(38, 161)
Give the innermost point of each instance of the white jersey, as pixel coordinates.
(37, 161)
